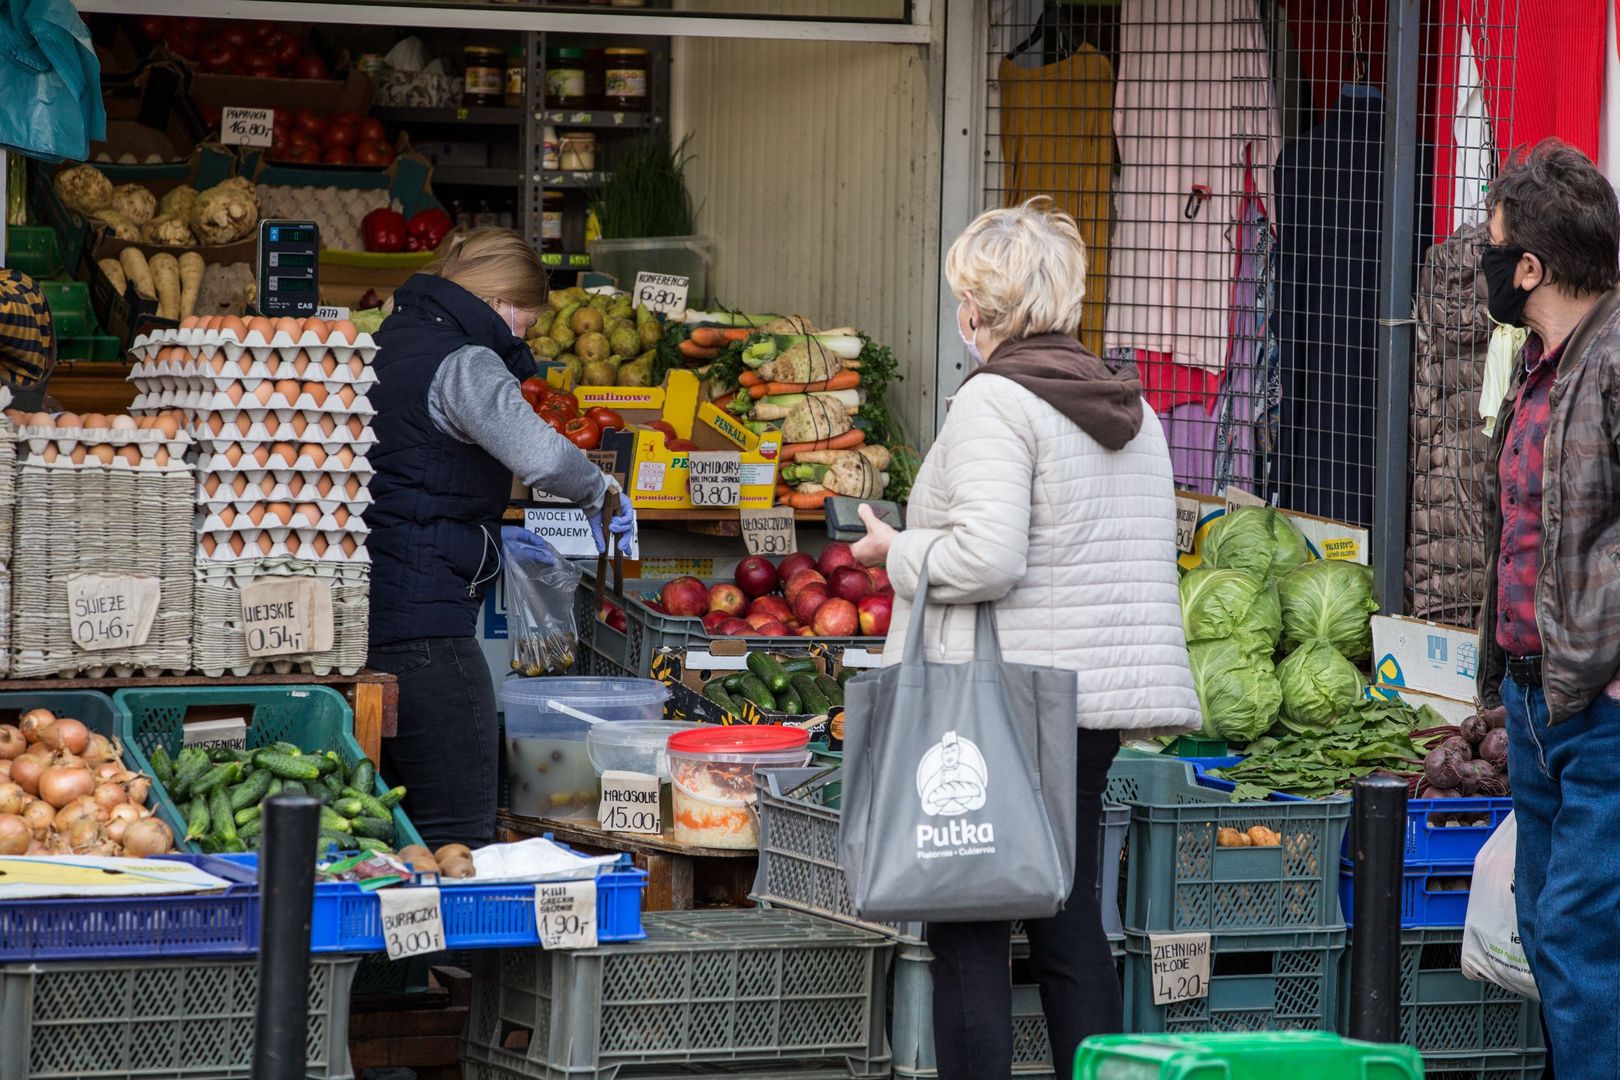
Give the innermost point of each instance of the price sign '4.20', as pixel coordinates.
(662, 293)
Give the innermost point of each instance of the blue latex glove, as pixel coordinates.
(622, 525)
(515, 540)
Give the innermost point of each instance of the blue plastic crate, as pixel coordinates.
(347, 918)
(1429, 840)
(1422, 905)
(197, 924)
(1202, 766)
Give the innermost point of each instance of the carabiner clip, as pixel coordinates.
(1196, 198)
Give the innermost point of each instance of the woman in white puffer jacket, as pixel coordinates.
(1049, 492)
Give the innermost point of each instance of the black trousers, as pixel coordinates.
(446, 750)
(1080, 994)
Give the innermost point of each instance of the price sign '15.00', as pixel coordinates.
(111, 612)
(715, 478)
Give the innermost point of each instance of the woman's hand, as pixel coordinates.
(873, 548)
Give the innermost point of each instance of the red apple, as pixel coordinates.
(836, 618)
(875, 612)
(850, 583)
(808, 602)
(880, 578)
(805, 631)
(756, 576)
(613, 615)
(799, 581)
(794, 563)
(833, 556)
(771, 628)
(757, 619)
(736, 628)
(685, 597)
(774, 606)
(713, 621)
(727, 598)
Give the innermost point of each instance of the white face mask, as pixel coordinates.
(968, 340)
(509, 317)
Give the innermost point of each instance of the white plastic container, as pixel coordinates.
(712, 770)
(547, 764)
(637, 746)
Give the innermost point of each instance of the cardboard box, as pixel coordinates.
(323, 96)
(687, 672)
(1409, 654)
(1326, 539)
(123, 314)
(1451, 710)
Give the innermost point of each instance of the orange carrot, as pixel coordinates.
(758, 390)
(706, 336)
(750, 378)
(844, 380)
(722, 402)
(693, 351)
(736, 334)
(783, 489)
(812, 501)
(849, 440)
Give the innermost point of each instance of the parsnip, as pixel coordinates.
(191, 275)
(115, 274)
(138, 272)
(166, 273)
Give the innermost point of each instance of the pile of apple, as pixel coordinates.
(828, 597)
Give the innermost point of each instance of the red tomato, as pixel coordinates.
(304, 138)
(308, 122)
(560, 405)
(303, 152)
(373, 153)
(556, 423)
(310, 66)
(182, 43)
(681, 444)
(151, 27)
(583, 432)
(337, 155)
(217, 56)
(534, 391)
(285, 50)
(260, 66)
(264, 28)
(351, 116)
(371, 130)
(663, 426)
(606, 419)
(339, 133)
(235, 33)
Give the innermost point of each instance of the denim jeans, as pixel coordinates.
(1068, 956)
(446, 747)
(1567, 879)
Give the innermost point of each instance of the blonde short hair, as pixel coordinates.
(492, 264)
(1026, 268)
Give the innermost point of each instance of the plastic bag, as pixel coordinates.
(541, 586)
(1491, 950)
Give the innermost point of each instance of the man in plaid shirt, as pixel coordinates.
(1550, 623)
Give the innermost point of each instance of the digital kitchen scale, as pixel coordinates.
(289, 264)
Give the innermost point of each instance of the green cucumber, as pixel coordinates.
(788, 701)
(245, 815)
(831, 688)
(188, 770)
(392, 797)
(349, 808)
(197, 819)
(162, 767)
(754, 690)
(290, 749)
(252, 790)
(815, 701)
(277, 786)
(376, 828)
(287, 766)
(733, 682)
(364, 776)
(847, 674)
(217, 777)
(373, 806)
(329, 839)
(800, 665)
(769, 672)
(366, 843)
(219, 814)
(329, 763)
(333, 783)
(715, 691)
(332, 821)
(250, 830)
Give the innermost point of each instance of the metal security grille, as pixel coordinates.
(1226, 161)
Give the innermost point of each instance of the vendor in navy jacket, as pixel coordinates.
(453, 429)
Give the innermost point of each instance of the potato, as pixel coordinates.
(1232, 838)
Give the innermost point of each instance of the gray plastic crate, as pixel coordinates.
(1180, 879)
(710, 987)
(1286, 981)
(798, 852)
(168, 1017)
(1508, 1065)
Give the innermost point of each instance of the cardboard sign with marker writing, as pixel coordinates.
(287, 616)
(630, 803)
(1237, 498)
(661, 293)
(565, 914)
(1179, 964)
(715, 478)
(1186, 524)
(412, 921)
(109, 612)
(246, 127)
(770, 532)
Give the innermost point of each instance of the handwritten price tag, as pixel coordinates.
(1186, 524)
(1237, 498)
(1180, 967)
(715, 478)
(565, 914)
(770, 532)
(247, 127)
(663, 293)
(412, 921)
(108, 612)
(287, 617)
(630, 803)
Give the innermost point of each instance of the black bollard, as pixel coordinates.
(1378, 846)
(286, 895)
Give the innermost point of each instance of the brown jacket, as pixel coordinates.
(1578, 589)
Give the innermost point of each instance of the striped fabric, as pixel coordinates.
(27, 340)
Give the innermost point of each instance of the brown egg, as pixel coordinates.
(123, 422)
(356, 426)
(233, 394)
(103, 453)
(95, 421)
(227, 516)
(255, 514)
(265, 543)
(345, 329)
(161, 458)
(288, 388)
(299, 425)
(233, 455)
(329, 367)
(300, 363)
(260, 457)
(319, 544)
(130, 454)
(315, 452)
(262, 392)
(346, 395)
(291, 543)
(77, 457)
(318, 327)
(211, 484)
(261, 326)
(69, 420)
(323, 486)
(244, 423)
(239, 485)
(40, 419)
(232, 326)
(189, 322)
(349, 546)
(308, 511)
(328, 425)
(316, 392)
(345, 457)
(215, 423)
(267, 485)
(144, 423)
(217, 364)
(169, 426)
(284, 452)
(278, 513)
(357, 366)
(237, 543)
(295, 486)
(208, 545)
(288, 326)
(352, 488)
(341, 516)
(49, 453)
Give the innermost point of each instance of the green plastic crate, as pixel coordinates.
(32, 249)
(309, 717)
(1243, 1056)
(1179, 879)
(1287, 981)
(70, 308)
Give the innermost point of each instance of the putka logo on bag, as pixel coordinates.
(952, 780)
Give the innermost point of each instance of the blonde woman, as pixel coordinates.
(452, 430)
(1048, 493)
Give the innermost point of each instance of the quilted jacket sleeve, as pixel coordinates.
(988, 462)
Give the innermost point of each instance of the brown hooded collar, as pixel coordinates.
(1105, 404)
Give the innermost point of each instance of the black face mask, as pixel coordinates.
(1503, 299)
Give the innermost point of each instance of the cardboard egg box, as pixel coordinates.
(37, 442)
(245, 570)
(280, 518)
(327, 491)
(175, 367)
(319, 547)
(239, 434)
(262, 397)
(208, 343)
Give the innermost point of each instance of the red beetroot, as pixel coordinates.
(756, 576)
(799, 581)
(808, 602)
(875, 612)
(836, 618)
(714, 620)
(735, 628)
(774, 606)
(794, 563)
(850, 583)
(834, 555)
(880, 578)
(727, 598)
(686, 597)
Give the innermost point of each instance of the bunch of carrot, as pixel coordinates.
(706, 342)
(759, 388)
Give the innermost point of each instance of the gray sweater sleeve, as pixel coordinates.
(475, 399)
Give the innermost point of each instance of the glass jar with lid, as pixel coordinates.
(551, 220)
(485, 73)
(624, 78)
(565, 78)
(515, 77)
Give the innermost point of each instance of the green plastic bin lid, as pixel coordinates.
(567, 53)
(1264, 1055)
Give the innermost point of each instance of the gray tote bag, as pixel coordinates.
(959, 784)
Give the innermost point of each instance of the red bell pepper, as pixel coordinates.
(426, 230)
(383, 230)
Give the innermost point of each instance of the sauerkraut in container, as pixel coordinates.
(712, 770)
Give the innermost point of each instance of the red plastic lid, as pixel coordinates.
(738, 739)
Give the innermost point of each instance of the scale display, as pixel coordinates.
(289, 261)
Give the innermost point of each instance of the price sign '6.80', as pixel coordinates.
(662, 293)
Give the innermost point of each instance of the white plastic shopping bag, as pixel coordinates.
(1491, 951)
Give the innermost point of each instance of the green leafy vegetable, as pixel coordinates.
(1374, 736)
(1220, 604)
(1330, 601)
(646, 196)
(1318, 687)
(1238, 693)
(1257, 539)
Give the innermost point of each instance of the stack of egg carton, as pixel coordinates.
(283, 424)
(100, 496)
(8, 501)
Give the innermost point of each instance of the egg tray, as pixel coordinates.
(36, 439)
(219, 646)
(211, 508)
(241, 572)
(223, 558)
(238, 490)
(210, 342)
(211, 401)
(296, 518)
(189, 371)
(216, 450)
